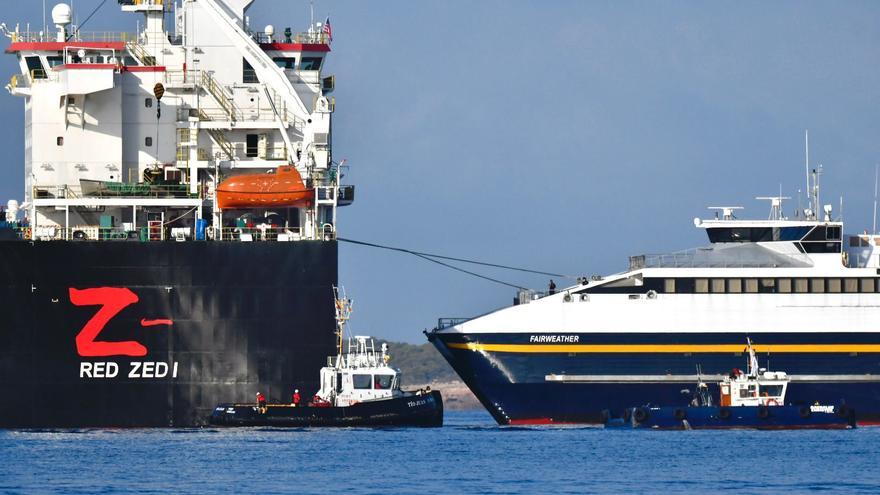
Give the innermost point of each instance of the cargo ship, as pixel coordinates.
(805, 292)
(176, 242)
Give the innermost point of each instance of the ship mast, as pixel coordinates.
(343, 314)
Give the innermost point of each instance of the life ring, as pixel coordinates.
(680, 414)
(641, 414)
(771, 402)
(805, 412)
(763, 412)
(724, 413)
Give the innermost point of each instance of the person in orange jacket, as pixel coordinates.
(296, 398)
(261, 402)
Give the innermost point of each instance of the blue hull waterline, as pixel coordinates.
(726, 418)
(575, 378)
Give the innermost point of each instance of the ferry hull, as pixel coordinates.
(134, 334)
(526, 383)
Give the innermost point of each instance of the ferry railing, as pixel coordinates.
(691, 259)
(314, 38)
(449, 322)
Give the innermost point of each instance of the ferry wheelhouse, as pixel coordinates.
(809, 295)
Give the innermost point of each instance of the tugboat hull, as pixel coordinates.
(752, 418)
(415, 410)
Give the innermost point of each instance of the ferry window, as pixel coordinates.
(751, 285)
(35, 67)
(734, 285)
(817, 285)
(285, 62)
(800, 285)
(310, 63)
(833, 285)
(701, 285)
(867, 284)
(148, 103)
(362, 382)
(771, 390)
(717, 285)
(60, 141)
(383, 382)
(757, 234)
(148, 142)
(784, 285)
(767, 285)
(669, 286)
(252, 145)
(832, 233)
(850, 285)
(55, 61)
(248, 74)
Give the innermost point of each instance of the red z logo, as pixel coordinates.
(112, 301)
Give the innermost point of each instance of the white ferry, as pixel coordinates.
(807, 293)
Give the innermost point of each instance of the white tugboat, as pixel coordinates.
(359, 387)
(751, 400)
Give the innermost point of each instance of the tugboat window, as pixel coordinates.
(310, 63)
(362, 382)
(771, 390)
(383, 382)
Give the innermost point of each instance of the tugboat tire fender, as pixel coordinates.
(641, 414)
(804, 412)
(724, 413)
(763, 412)
(680, 414)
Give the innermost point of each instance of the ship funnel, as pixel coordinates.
(62, 16)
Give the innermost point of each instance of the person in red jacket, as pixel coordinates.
(296, 398)
(261, 402)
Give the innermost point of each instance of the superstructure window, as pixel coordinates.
(60, 141)
(868, 285)
(35, 67)
(740, 234)
(851, 285)
(800, 285)
(148, 142)
(734, 285)
(383, 382)
(55, 61)
(362, 382)
(701, 286)
(310, 63)
(717, 285)
(833, 285)
(287, 63)
(669, 286)
(783, 285)
(751, 285)
(248, 74)
(252, 145)
(767, 285)
(148, 103)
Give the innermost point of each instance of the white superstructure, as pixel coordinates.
(129, 134)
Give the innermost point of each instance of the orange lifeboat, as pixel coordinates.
(283, 187)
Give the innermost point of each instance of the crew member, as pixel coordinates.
(552, 287)
(296, 398)
(261, 402)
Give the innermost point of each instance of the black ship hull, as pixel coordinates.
(135, 334)
(415, 410)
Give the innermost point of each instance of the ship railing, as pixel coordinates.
(115, 190)
(308, 38)
(88, 233)
(449, 322)
(82, 36)
(702, 258)
(261, 234)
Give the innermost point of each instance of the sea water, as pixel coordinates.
(471, 454)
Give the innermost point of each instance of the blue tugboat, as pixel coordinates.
(358, 388)
(751, 400)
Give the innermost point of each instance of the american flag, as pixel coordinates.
(327, 29)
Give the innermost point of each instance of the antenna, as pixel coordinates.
(876, 170)
(807, 166)
(776, 212)
(726, 211)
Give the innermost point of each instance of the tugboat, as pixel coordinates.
(752, 400)
(358, 388)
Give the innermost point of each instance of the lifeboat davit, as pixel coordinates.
(283, 187)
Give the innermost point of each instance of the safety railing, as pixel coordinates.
(114, 190)
(707, 258)
(85, 36)
(309, 38)
(260, 234)
(140, 53)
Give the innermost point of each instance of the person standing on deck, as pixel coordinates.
(296, 398)
(261, 402)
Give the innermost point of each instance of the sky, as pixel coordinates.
(562, 136)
